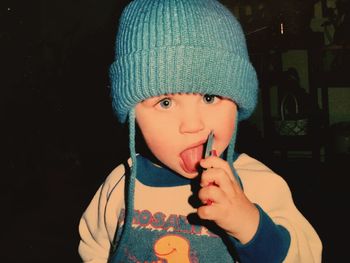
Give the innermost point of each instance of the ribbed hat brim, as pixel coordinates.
(182, 69)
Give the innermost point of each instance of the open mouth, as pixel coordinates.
(191, 158)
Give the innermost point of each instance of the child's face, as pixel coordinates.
(175, 128)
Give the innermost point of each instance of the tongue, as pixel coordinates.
(191, 158)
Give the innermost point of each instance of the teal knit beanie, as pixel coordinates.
(180, 46)
(177, 46)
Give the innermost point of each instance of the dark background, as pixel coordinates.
(60, 139)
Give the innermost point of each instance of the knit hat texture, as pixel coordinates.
(180, 46)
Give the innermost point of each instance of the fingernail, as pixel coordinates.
(213, 153)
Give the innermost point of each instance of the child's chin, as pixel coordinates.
(189, 175)
(186, 172)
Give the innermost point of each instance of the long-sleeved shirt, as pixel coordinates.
(166, 229)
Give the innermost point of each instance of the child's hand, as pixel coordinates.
(228, 206)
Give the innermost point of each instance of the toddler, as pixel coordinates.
(182, 71)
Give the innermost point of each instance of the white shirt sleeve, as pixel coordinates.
(270, 191)
(98, 224)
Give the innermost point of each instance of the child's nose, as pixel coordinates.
(191, 122)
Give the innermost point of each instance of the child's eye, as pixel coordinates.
(210, 99)
(165, 103)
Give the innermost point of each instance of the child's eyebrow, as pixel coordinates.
(160, 97)
(153, 100)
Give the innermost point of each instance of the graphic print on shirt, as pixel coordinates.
(173, 249)
(157, 237)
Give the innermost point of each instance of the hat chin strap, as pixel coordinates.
(230, 153)
(231, 148)
(129, 190)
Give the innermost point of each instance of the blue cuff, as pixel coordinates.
(269, 244)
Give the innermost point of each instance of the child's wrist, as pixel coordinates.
(249, 227)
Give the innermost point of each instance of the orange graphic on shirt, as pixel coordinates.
(173, 249)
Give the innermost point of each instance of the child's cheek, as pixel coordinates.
(161, 146)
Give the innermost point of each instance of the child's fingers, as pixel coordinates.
(211, 194)
(210, 212)
(216, 162)
(217, 177)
